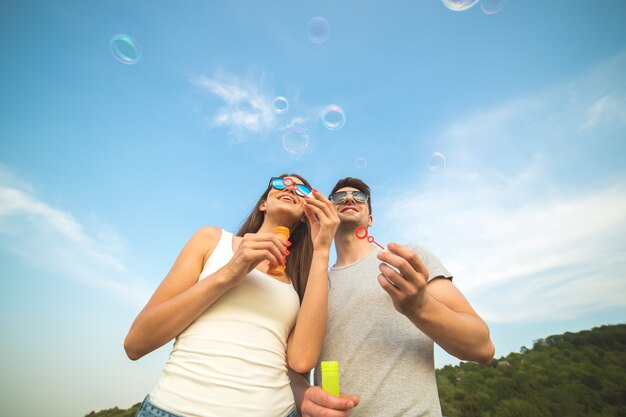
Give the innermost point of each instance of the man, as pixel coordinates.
(385, 309)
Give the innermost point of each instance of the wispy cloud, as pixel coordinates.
(56, 240)
(513, 216)
(247, 109)
(608, 108)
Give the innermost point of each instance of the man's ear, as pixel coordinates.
(370, 221)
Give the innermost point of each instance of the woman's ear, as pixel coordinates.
(262, 206)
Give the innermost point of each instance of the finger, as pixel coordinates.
(326, 207)
(389, 287)
(258, 256)
(353, 400)
(266, 250)
(403, 266)
(265, 236)
(393, 276)
(410, 256)
(327, 401)
(317, 211)
(325, 212)
(281, 243)
(310, 214)
(321, 198)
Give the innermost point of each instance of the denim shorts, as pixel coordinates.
(148, 409)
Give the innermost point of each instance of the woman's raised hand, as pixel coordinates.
(254, 249)
(323, 220)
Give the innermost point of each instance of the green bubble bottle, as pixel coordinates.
(330, 377)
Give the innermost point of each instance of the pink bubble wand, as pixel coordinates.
(365, 234)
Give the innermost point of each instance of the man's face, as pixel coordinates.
(351, 211)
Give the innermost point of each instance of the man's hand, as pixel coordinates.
(407, 288)
(318, 403)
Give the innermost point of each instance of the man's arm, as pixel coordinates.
(312, 401)
(437, 308)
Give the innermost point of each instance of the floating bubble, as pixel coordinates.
(318, 30)
(360, 162)
(295, 139)
(437, 161)
(125, 49)
(281, 104)
(459, 5)
(333, 117)
(492, 6)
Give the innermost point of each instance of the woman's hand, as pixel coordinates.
(254, 249)
(323, 220)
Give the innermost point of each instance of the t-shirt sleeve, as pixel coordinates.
(434, 265)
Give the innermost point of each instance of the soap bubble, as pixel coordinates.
(125, 49)
(318, 30)
(281, 104)
(459, 5)
(492, 6)
(295, 139)
(437, 161)
(333, 117)
(361, 162)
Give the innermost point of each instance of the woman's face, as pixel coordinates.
(284, 202)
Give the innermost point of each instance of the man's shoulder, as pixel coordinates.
(418, 248)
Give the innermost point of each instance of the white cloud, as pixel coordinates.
(54, 240)
(529, 230)
(527, 262)
(607, 108)
(246, 108)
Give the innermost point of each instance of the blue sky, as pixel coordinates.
(106, 169)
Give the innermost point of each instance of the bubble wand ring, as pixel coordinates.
(365, 234)
(291, 185)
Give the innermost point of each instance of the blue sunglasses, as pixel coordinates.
(283, 183)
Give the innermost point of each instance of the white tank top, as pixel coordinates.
(232, 361)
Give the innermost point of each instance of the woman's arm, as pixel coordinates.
(181, 298)
(305, 340)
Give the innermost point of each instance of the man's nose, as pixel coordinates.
(350, 199)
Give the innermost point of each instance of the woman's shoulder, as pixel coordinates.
(206, 237)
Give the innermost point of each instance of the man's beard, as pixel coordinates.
(349, 225)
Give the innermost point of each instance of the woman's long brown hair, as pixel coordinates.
(299, 261)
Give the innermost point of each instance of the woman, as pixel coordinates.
(236, 327)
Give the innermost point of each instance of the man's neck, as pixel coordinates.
(349, 248)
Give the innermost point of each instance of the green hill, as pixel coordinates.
(570, 375)
(116, 412)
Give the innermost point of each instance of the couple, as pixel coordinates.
(244, 338)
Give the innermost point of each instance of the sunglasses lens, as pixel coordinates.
(302, 190)
(359, 197)
(278, 183)
(338, 197)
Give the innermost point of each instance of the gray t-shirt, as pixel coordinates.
(383, 358)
